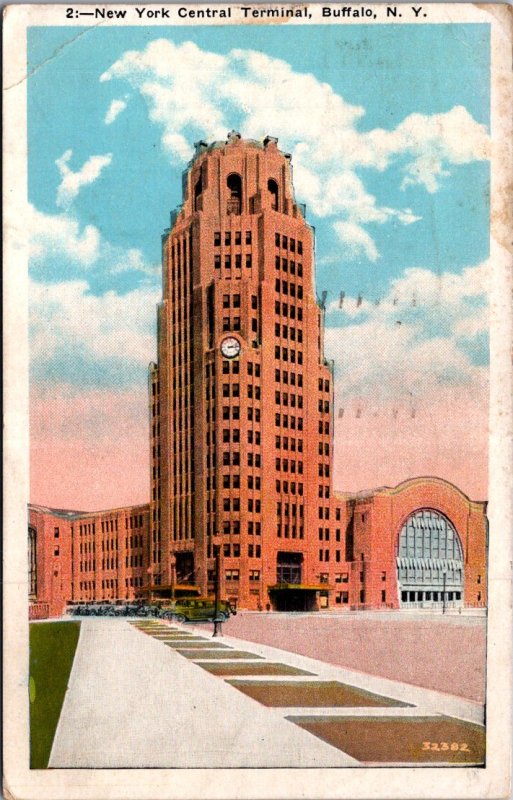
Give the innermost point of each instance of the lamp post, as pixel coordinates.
(218, 630)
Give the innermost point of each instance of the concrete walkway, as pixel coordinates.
(133, 702)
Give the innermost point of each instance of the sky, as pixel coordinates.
(388, 128)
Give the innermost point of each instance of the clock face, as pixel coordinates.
(230, 347)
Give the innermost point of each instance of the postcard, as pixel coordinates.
(257, 401)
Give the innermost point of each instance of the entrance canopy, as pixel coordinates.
(295, 596)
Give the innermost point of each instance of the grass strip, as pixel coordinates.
(52, 649)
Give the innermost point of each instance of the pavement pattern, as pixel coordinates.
(146, 693)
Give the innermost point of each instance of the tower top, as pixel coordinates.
(234, 137)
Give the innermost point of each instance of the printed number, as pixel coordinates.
(69, 13)
(454, 746)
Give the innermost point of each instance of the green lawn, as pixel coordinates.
(52, 649)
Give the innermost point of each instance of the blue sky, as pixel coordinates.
(388, 129)
(391, 72)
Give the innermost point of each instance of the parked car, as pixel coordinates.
(196, 609)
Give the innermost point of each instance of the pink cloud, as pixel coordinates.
(89, 451)
(445, 434)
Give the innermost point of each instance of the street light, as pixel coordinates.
(218, 629)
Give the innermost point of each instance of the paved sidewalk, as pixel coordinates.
(133, 702)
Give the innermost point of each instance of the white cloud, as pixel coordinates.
(356, 240)
(72, 182)
(67, 318)
(416, 339)
(114, 110)
(193, 93)
(60, 235)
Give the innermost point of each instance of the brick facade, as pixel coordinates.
(241, 427)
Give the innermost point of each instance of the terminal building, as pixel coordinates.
(241, 436)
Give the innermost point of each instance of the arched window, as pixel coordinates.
(429, 560)
(273, 191)
(32, 563)
(234, 183)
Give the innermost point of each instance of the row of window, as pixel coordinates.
(233, 527)
(280, 240)
(233, 550)
(111, 563)
(324, 533)
(286, 421)
(292, 378)
(237, 261)
(232, 458)
(289, 531)
(288, 288)
(233, 481)
(233, 504)
(285, 399)
(289, 266)
(324, 427)
(289, 510)
(288, 332)
(237, 238)
(324, 491)
(109, 544)
(288, 443)
(286, 354)
(233, 390)
(233, 412)
(290, 311)
(286, 487)
(323, 406)
(324, 385)
(286, 465)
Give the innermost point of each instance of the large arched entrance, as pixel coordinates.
(429, 562)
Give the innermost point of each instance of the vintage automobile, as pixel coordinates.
(196, 609)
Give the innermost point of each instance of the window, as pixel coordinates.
(248, 237)
(272, 187)
(217, 238)
(227, 238)
(234, 184)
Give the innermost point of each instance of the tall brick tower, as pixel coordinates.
(241, 397)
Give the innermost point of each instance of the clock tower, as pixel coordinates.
(241, 396)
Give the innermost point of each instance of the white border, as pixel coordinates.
(361, 782)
